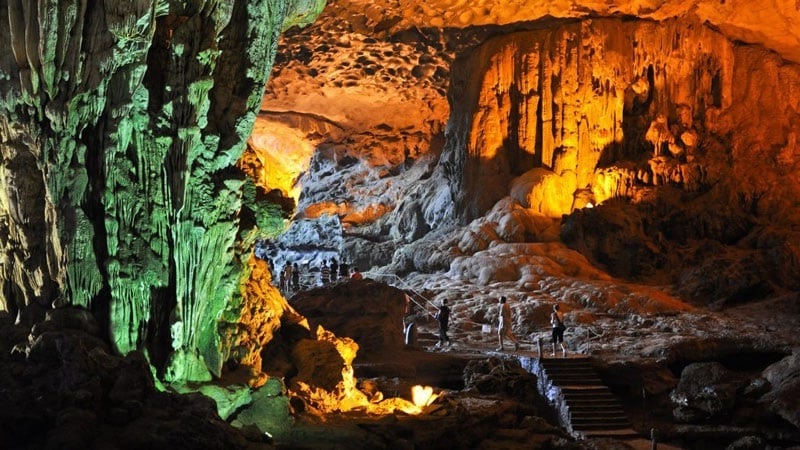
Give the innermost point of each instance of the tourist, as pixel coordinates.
(344, 269)
(443, 317)
(286, 277)
(504, 325)
(557, 321)
(295, 277)
(334, 269)
(325, 273)
(356, 275)
(409, 319)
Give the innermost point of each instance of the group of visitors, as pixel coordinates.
(290, 278)
(504, 326)
(331, 270)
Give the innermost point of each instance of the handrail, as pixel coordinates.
(406, 287)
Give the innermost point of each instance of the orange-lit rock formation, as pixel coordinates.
(559, 116)
(550, 106)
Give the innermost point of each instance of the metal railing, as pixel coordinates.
(399, 283)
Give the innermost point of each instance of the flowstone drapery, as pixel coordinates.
(120, 124)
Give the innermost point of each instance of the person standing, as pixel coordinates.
(443, 317)
(325, 273)
(409, 319)
(295, 277)
(286, 277)
(504, 325)
(334, 269)
(557, 321)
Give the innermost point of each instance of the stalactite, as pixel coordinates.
(129, 126)
(582, 72)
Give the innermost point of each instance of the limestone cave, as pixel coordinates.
(236, 224)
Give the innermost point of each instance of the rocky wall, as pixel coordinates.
(119, 124)
(584, 111)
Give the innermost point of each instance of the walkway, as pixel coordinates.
(584, 405)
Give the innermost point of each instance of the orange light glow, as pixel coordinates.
(277, 155)
(347, 397)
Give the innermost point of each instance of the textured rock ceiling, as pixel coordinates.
(373, 75)
(380, 88)
(773, 23)
(357, 30)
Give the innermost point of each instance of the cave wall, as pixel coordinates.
(119, 124)
(606, 106)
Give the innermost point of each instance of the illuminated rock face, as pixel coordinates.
(562, 109)
(534, 113)
(557, 117)
(119, 125)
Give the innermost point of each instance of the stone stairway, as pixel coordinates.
(585, 406)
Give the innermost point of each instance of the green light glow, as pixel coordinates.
(133, 131)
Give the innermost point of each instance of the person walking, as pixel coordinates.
(504, 325)
(557, 321)
(443, 317)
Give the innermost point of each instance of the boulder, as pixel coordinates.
(705, 392)
(784, 376)
(367, 311)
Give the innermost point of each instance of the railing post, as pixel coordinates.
(539, 344)
(588, 341)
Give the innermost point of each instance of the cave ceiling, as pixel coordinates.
(445, 25)
(370, 78)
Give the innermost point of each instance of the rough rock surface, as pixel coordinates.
(63, 387)
(369, 312)
(705, 392)
(120, 124)
(696, 131)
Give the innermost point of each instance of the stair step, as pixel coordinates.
(600, 408)
(593, 409)
(595, 423)
(576, 392)
(582, 400)
(597, 419)
(569, 371)
(548, 362)
(612, 411)
(576, 381)
(620, 433)
(586, 390)
(596, 409)
(564, 363)
(585, 373)
(616, 423)
(600, 427)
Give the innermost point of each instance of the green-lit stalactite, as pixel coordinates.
(120, 124)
